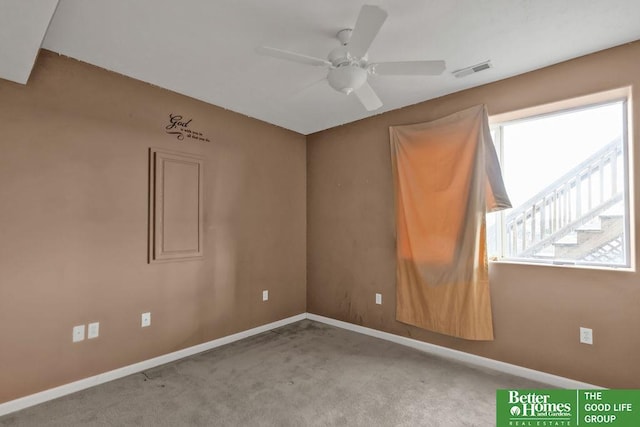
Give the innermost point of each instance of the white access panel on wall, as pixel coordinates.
(175, 206)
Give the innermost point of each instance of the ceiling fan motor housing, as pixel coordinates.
(347, 78)
(339, 56)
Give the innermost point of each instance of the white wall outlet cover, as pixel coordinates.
(378, 298)
(93, 330)
(145, 320)
(586, 335)
(78, 333)
(265, 295)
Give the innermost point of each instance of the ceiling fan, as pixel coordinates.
(348, 64)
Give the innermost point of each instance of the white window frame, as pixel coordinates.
(622, 95)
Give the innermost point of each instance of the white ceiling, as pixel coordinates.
(205, 49)
(23, 24)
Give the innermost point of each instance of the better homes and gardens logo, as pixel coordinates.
(546, 408)
(538, 406)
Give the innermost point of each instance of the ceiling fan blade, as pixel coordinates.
(368, 97)
(409, 68)
(299, 92)
(366, 29)
(292, 56)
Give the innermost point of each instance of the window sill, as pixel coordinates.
(565, 265)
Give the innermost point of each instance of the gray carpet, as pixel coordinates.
(303, 374)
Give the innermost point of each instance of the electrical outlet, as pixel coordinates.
(586, 335)
(78, 333)
(93, 330)
(378, 298)
(145, 320)
(265, 295)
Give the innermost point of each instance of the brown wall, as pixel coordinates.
(537, 309)
(73, 230)
(73, 225)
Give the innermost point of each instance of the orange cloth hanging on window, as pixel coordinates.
(446, 176)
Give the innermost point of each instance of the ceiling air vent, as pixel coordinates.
(463, 72)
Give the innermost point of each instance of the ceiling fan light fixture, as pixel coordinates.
(347, 78)
(349, 65)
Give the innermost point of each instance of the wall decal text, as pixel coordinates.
(179, 126)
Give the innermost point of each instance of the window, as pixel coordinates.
(567, 175)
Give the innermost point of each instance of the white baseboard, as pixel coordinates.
(460, 356)
(472, 359)
(63, 390)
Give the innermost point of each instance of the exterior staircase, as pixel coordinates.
(592, 242)
(575, 219)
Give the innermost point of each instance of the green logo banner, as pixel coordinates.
(546, 408)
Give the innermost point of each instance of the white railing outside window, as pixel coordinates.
(582, 215)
